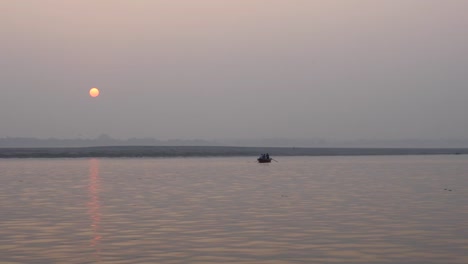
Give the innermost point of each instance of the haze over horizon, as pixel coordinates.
(254, 69)
(106, 140)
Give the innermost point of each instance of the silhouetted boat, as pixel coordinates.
(264, 158)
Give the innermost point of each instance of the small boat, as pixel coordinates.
(264, 160)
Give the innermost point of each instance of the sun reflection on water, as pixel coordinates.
(94, 205)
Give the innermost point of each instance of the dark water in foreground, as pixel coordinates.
(367, 209)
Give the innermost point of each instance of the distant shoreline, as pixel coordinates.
(213, 151)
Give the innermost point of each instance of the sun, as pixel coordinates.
(94, 92)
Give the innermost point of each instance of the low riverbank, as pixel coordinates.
(202, 151)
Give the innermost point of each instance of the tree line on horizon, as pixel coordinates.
(102, 140)
(106, 140)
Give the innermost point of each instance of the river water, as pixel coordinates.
(363, 209)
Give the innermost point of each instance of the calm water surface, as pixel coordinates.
(381, 209)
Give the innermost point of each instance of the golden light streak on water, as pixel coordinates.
(94, 205)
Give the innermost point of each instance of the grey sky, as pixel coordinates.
(213, 69)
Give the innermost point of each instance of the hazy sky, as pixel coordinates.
(210, 69)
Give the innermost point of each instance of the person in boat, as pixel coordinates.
(267, 156)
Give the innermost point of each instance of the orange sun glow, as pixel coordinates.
(94, 92)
